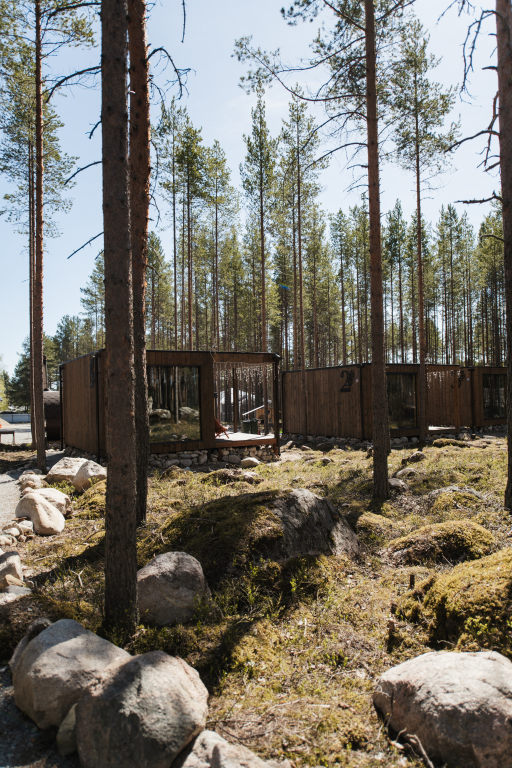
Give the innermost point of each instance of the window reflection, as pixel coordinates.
(173, 403)
(401, 400)
(494, 389)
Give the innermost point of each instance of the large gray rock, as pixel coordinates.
(51, 670)
(64, 470)
(209, 750)
(10, 565)
(46, 518)
(142, 714)
(54, 496)
(170, 588)
(250, 461)
(89, 473)
(310, 525)
(459, 705)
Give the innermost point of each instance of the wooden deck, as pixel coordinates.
(243, 440)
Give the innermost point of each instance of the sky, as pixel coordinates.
(216, 103)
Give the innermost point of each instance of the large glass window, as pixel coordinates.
(494, 388)
(173, 402)
(402, 400)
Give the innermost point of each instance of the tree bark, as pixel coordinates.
(120, 517)
(38, 277)
(31, 276)
(140, 170)
(301, 298)
(422, 389)
(379, 390)
(504, 46)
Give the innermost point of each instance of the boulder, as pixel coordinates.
(170, 588)
(250, 461)
(89, 473)
(397, 485)
(232, 458)
(51, 670)
(309, 525)
(32, 481)
(160, 414)
(468, 606)
(417, 456)
(64, 470)
(46, 518)
(54, 496)
(209, 750)
(140, 715)
(407, 472)
(458, 705)
(454, 540)
(66, 736)
(10, 565)
(325, 447)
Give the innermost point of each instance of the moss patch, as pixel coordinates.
(470, 606)
(373, 529)
(223, 535)
(92, 502)
(443, 442)
(453, 541)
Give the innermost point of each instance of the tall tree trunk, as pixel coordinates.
(120, 509)
(38, 281)
(263, 298)
(422, 389)
(301, 298)
(140, 170)
(379, 389)
(31, 276)
(504, 45)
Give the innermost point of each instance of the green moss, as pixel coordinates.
(373, 529)
(92, 502)
(446, 505)
(223, 534)
(470, 606)
(454, 540)
(443, 442)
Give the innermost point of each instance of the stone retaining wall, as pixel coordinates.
(183, 459)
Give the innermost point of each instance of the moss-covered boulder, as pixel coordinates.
(231, 533)
(454, 540)
(444, 442)
(373, 529)
(470, 606)
(92, 502)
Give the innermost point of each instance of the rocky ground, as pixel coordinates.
(291, 649)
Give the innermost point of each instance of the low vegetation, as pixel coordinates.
(290, 651)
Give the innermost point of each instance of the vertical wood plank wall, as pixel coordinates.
(454, 399)
(78, 402)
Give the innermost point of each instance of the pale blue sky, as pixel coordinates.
(216, 103)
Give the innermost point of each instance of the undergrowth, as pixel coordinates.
(291, 651)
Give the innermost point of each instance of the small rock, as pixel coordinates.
(417, 456)
(397, 485)
(66, 737)
(89, 473)
(459, 705)
(407, 472)
(32, 481)
(64, 470)
(142, 714)
(325, 447)
(15, 589)
(10, 565)
(232, 458)
(209, 750)
(46, 518)
(51, 670)
(251, 477)
(250, 461)
(13, 581)
(186, 462)
(11, 530)
(169, 588)
(7, 541)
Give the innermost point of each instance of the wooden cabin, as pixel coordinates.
(339, 402)
(182, 389)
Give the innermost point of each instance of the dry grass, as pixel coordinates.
(292, 651)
